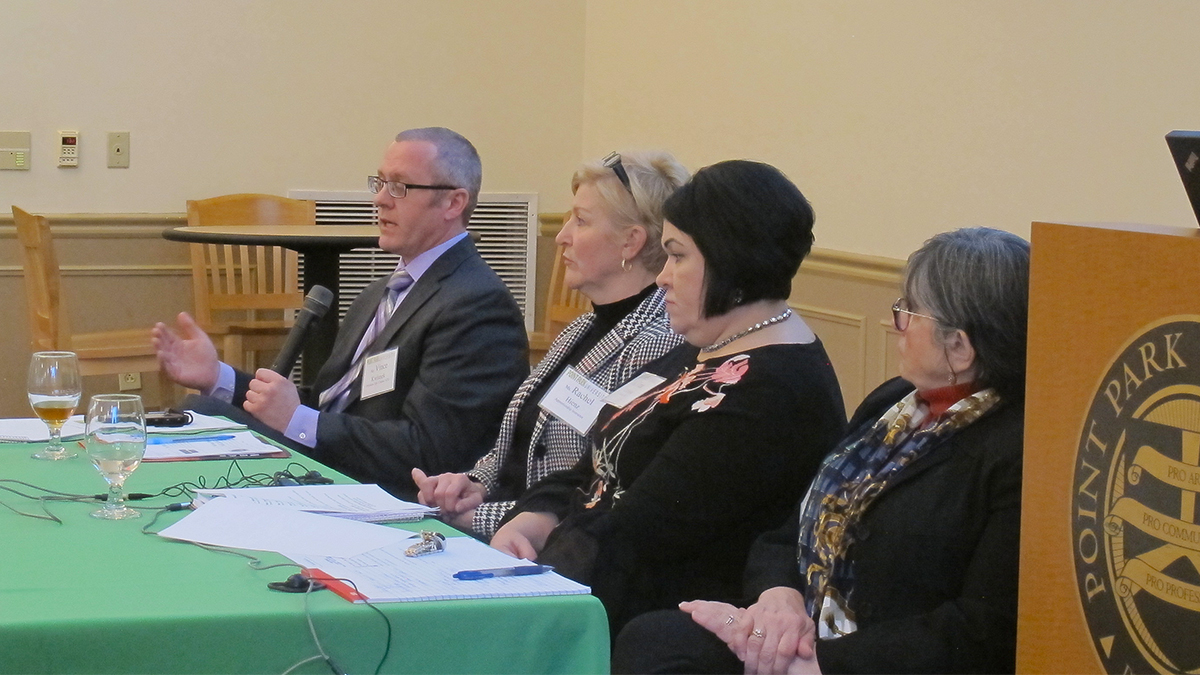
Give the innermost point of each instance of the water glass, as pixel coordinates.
(116, 441)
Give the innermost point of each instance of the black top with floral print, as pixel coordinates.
(682, 480)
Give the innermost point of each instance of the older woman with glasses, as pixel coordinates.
(902, 556)
(612, 255)
(685, 475)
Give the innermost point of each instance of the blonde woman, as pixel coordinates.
(612, 254)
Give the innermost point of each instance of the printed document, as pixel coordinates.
(388, 575)
(357, 502)
(239, 523)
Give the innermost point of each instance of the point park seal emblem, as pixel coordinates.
(1135, 525)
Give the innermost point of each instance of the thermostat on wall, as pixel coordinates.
(68, 148)
(14, 150)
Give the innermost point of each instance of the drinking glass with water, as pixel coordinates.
(116, 441)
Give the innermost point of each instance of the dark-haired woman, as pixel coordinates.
(902, 556)
(681, 480)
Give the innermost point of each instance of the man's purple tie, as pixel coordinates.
(337, 397)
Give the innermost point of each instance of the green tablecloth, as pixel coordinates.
(91, 596)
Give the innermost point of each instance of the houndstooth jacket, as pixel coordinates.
(642, 336)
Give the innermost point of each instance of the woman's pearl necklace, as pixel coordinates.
(752, 329)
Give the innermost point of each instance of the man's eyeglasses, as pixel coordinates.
(613, 161)
(400, 190)
(901, 315)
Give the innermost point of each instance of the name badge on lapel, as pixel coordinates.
(634, 388)
(379, 373)
(574, 399)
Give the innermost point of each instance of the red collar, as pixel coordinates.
(939, 400)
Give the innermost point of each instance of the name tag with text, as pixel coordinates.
(574, 399)
(625, 394)
(379, 373)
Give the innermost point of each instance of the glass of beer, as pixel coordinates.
(116, 441)
(54, 389)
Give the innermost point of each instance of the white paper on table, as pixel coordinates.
(331, 499)
(33, 430)
(237, 523)
(243, 444)
(387, 575)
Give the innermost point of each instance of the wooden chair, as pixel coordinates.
(563, 305)
(107, 353)
(244, 294)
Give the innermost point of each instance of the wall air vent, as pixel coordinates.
(504, 227)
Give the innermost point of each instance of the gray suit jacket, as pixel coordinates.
(462, 353)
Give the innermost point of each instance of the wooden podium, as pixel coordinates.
(1110, 533)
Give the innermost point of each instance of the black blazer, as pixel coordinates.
(462, 354)
(935, 559)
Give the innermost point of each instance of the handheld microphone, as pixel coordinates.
(316, 303)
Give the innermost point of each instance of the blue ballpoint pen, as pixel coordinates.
(163, 440)
(523, 570)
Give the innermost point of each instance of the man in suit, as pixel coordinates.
(442, 339)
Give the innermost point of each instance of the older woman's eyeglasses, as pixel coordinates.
(400, 190)
(901, 315)
(613, 161)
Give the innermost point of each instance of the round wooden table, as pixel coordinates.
(320, 245)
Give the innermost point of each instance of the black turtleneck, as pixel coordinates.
(511, 482)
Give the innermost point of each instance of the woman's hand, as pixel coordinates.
(802, 666)
(453, 493)
(780, 619)
(525, 535)
(718, 618)
(463, 521)
(768, 635)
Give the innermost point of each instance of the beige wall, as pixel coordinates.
(228, 96)
(903, 119)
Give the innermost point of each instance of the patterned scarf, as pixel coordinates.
(855, 474)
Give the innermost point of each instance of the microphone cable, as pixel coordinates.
(186, 489)
(322, 654)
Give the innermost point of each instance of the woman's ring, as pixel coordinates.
(757, 633)
(729, 620)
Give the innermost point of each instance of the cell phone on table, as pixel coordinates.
(168, 418)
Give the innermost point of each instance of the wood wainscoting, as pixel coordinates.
(118, 272)
(847, 300)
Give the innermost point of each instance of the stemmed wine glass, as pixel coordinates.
(54, 388)
(116, 441)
